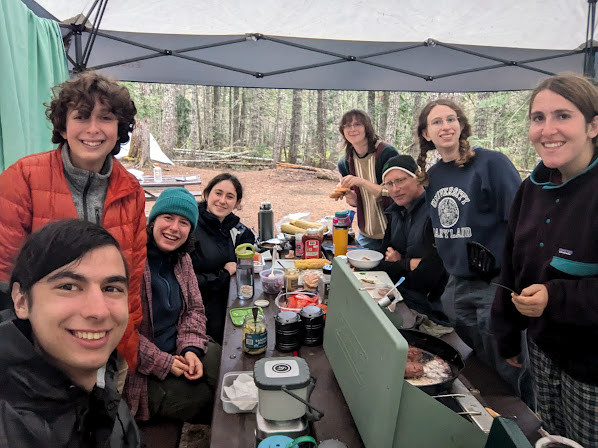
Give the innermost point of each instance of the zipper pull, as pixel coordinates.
(98, 217)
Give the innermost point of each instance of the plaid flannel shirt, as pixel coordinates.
(191, 331)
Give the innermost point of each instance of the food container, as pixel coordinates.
(282, 300)
(270, 375)
(272, 284)
(554, 441)
(239, 405)
(364, 258)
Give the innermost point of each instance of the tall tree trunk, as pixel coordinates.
(139, 148)
(208, 114)
(383, 121)
(236, 114)
(308, 147)
(336, 137)
(279, 129)
(321, 128)
(295, 126)
(481, 122)
(169, 122)
(392, 120)
(216, 117)
(372, 107)
(256, 121)
(244, 116)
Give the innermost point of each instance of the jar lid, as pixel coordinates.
(311, 311)
(344, 214)
(265, 205)
(245, 251)
(327, 269)
(287, 317)
(312, 231)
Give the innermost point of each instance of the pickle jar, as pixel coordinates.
(255, 334)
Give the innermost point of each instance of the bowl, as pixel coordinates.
(364, 258)
(273, 284)
(545, 442)
(282, 301)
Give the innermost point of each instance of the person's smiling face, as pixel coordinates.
(79, 312)
(170, 231)
(402, 187)
(560, 134)
(444, 129)
(222, 199)
(91, 136)
(354, 132)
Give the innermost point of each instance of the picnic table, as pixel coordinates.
(153, 189)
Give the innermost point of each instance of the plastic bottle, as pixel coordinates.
(157, 173)
(265, 221)
(244, 274)
(340, 233)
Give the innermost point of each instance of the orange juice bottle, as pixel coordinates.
(340, 233)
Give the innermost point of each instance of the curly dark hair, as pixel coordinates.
(465, 151)
(81, 93)
(186, 248)
(370, 134)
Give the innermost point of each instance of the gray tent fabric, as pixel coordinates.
(428, 45)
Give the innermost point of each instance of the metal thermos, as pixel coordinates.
(312, 323)
(265, 221)
(287, 327)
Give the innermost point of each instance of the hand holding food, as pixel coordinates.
(339, 192)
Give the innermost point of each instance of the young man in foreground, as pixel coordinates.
(69, 287)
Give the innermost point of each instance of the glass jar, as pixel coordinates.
(291, 279)
(255, 334)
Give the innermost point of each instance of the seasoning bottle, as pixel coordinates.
(324, 283)
(312, 244)
(265, 222)
(244, 253)
(299, 245)
(255, 333)
(157, 173)
(340, 233)
(291, 279)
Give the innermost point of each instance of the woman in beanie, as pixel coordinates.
(217, 234)
(177, 367)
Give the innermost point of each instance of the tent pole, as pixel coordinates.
(589, 69)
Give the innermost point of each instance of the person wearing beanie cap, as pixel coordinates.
(408, 243)
(178, 366)
(178, 201)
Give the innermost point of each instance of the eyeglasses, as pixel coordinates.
(450, 120)
(352, 125)
(394, 183)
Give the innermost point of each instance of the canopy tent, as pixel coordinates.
(424, 45)
(156, 154)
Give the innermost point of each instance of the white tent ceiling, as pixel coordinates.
(423, 45)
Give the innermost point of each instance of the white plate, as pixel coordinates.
(376, 277)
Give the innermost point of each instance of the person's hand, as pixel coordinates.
(179, 366)
(392, 255)
(532, 301)
(414, 263)
(351, 181)
(514, 361)
(231, 267)
(194, 366)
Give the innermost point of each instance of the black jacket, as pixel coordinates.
(41, 408)
(214, 247)
(409, 232)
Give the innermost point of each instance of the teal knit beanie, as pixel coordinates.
(176, 201)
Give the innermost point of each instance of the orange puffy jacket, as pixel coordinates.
(34, 191)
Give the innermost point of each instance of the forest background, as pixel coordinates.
(245, 128)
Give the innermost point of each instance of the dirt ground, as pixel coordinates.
(289, 191)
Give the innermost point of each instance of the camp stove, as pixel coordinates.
(462, 401)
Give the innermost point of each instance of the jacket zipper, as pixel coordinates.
(85, 190)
